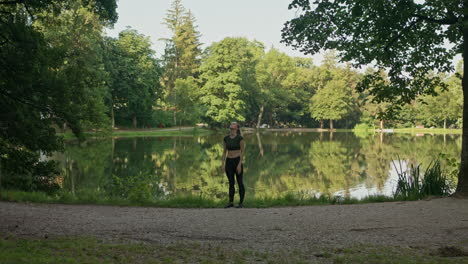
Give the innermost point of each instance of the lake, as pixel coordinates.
(276, 163)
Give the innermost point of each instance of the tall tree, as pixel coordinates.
(77, 33)
(271, 72)
(405, 37)
(301, 83)
(333, 102)
(228, 77)
(35, 83)
(183, 50)
(134, 76)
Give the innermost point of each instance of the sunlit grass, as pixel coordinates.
(145, 133)
(427, 131)
(185, 200)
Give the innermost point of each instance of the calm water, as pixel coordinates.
(276, 163)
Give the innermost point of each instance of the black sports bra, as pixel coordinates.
(233, 143)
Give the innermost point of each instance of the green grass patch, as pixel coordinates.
(93, 250)
(427, 131)
(184, 201)
(144, 133)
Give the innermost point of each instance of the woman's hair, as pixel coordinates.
(238, 128)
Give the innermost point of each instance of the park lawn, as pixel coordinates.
(427, 131)
(76, 249)
(160, 132)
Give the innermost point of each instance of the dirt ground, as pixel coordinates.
(429, 223)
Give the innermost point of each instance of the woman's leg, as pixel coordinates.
(230, 171)
(240, 182)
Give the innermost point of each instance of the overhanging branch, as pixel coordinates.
(444, 21)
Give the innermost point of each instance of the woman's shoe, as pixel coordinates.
(229, 205)
(240, 206)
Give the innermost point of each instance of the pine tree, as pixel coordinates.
(182, 53)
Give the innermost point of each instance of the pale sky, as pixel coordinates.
(216, 19)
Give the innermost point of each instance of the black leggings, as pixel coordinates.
(231, 169)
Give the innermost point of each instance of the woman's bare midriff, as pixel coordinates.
(233, 153)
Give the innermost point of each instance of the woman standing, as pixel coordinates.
(233, 155)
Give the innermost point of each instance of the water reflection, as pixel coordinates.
(141, 169)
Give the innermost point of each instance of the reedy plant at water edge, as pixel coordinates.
(414, 185)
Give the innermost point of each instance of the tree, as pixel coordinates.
(228, 79)
(271, 72)
(183, 50)
(370, 106)
(405, 37)
(333, 102)
(441, 107)
(301, 84)
(36, 92)
(186, 91)
(134, 76)
(77, 33)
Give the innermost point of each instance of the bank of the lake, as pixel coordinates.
(429, 231)
(156, 132)
(191, 131)
(187, 201)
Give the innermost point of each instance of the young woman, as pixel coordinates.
(233, 155)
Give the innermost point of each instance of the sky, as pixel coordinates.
(261, 20)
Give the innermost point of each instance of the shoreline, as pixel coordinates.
(190, 131)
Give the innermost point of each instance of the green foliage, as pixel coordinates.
(134, 78)
(333, 102)
(189, 110)
(49, 78)
(413, 184)
(228, 77)
(182, 56)
(408, 39)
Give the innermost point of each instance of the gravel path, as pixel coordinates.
(437, 222)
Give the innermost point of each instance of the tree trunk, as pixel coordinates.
(462, 186)
(445, 123)
(260, 146)
(321, 123)
(134, 121)
(381, 124)
(331, 124)
(175, 118)
(0, 174)
(260, 117)
(112, 116)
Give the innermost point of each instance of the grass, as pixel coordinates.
(144, 133)
(184, 201)
(413, 184)
(427, 131)
(93, 250)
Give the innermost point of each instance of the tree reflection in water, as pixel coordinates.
(146, 168)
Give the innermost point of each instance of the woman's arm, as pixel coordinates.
(223, 159)
(242, 143)
(242, 149)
